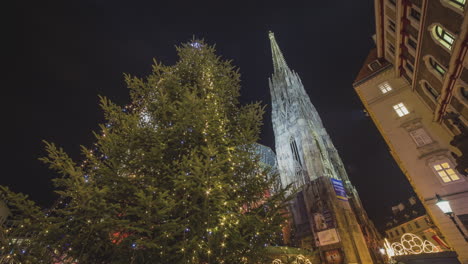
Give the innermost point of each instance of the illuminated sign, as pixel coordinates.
(339, 190)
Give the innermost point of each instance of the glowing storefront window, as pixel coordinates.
(445, 172)
(401, 109)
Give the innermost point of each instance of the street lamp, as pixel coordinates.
(444, 206)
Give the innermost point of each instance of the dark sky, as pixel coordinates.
(66, 53)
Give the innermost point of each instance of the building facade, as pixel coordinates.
(414, 86)
(410, 217)
(326, 213)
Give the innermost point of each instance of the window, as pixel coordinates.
(391, 48)
(401, 109)
(403, 230)
(458, 3)
(385, 87)
(445, 172)
(375, 65)
(409, 66)
(295, 152)
(412, 43)
(391, 25)
(415, 14)
(437, 67)
(416, 224)
(420, 137)
(431, 91)
(464, 92)
(464, 219)
(396, 232)
(390, 234)
(443, 37)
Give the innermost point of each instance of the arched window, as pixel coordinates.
(431, 91)
(295, 151)
(464, 92)
(443, 37)
(461, 93)
(456, 5)
(459, 3)
(437, 67)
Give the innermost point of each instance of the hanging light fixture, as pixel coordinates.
(444, 205)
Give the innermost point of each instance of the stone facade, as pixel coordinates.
(420, 64)
(326, 213)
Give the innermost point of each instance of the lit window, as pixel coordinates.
(444, 38)
(445, 172)
(459, 3)
(401, 109)
(420, 137)
(437, 67)
(385, 87)
(431, 91)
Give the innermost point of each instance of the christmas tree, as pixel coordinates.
(172, 178)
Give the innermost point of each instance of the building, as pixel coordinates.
(410, 217)
(414, 87)
(327, 214)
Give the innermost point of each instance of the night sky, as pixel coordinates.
(66, 53)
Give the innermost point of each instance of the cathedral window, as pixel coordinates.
(445, 172)
(385, 87)
(420, 137)
(295, 151)
(400, 109)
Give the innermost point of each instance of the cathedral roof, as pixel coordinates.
(372, 65)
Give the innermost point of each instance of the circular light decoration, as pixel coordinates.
(300, 259)
(398, 249)
(411, 244)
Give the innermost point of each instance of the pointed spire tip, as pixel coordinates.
(271, 35)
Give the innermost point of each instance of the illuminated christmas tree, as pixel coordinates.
(173, 176)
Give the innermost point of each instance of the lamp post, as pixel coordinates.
(444, 205)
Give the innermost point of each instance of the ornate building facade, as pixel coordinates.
(326, 213)
(414, 85)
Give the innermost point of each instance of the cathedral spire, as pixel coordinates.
(279, 63)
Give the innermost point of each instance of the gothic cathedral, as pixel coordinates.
(326, 213)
